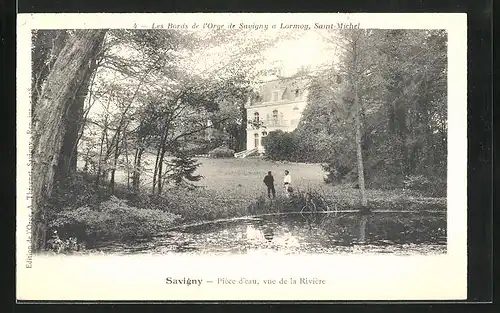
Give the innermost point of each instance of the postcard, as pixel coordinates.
(250, 156)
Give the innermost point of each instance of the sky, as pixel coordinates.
(303, 49)
(306, 48)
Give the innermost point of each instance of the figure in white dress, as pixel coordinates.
(287, 182)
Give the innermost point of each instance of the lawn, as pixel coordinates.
(243, 178)
(230, 186)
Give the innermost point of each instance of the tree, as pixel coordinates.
(49, 129)
(399, 80)
(182, 170)
(46, 46)
(200, 82)
(357, 65)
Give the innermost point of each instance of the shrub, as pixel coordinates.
(280, 146)
(416, 182)
(182, 170)
(206, 206)
(56, 244)
(306, 201)
(430, 186)
(113, 219)
(79, 189)
(202, 146)
(221, 152)
(437, 187)
(335, 172)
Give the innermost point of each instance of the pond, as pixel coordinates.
(395, 233)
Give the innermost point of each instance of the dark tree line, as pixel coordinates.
(381, 111)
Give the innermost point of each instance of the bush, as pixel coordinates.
(280, 146)
(206, 206)
(306, 201)
(298, 146)
(203, 146)
(79, 189)
(113, 219)
(221, 152)
(335, 172)
(56, 244)
(416, 182)
(428, 186)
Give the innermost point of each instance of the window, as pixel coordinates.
(256, 117)
(256, 140)
(297, 93)
(275, 118)
(275, 96)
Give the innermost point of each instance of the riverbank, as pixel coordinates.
(234, 188)
(230, 188)
(205, 204)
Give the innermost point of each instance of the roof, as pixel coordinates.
(287, 87)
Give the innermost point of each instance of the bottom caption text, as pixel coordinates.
(244, 281)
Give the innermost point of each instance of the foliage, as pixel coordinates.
(416, 182)
(113, 219)
(158, 96)
(280, 145)
(435, 186)
(201, 205)
(78, 190)
(301, 200)
(182, 170)
(221, 152)
(57, 245)
(401, 76)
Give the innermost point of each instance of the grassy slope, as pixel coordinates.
(242, 178)
(229, 186)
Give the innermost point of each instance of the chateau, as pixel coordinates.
(277, 105)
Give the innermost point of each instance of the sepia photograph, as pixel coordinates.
(230, 137)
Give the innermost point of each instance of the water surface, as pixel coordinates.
(397, 233)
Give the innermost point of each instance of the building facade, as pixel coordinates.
(277, 105)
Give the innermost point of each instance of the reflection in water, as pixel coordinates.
(269, 234)
(397, 233)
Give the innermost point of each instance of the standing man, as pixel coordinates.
(269, 181)
(287, 181)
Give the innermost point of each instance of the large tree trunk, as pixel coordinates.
(47, 44)
(68, 156)
(49, 127)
